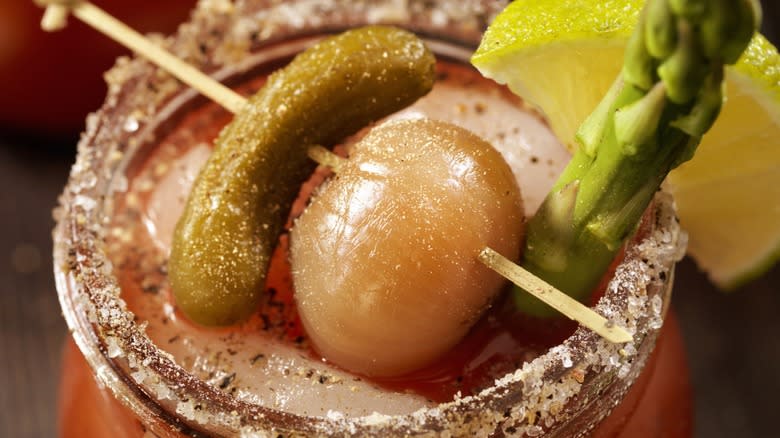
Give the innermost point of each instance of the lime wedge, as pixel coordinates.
(563, 56)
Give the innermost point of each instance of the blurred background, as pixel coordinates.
(49, 82)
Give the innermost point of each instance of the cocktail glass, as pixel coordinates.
(146, 370)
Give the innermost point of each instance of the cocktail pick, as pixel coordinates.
(55, 18)
(554, 298)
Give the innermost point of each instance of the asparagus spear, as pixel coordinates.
(667, 96)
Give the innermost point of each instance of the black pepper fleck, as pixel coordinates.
(227, 381)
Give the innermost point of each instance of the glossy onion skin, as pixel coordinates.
(384, 258)
(241, 199)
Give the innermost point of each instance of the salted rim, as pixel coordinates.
(583, 374)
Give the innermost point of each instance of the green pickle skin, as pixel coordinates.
(239, 203)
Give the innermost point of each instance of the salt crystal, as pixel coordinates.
(534, 431)
(163, 392)
(131, 361)
(389, 12)
(139, 376)
(567, 362)
(107, 268)
(84, 202)
(88, 180)
(131, 125)
(120, 183)
(375, 419)
(186, 409)
(657, 304)
(334, 415)
(290, 16)
(623, 371)
(218, 6)
(438, 17)
(247, 432)
(114, 350)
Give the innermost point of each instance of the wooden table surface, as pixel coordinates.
(733, 340)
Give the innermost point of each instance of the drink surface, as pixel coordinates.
(268, 360)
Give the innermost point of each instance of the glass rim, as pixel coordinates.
(583, 367)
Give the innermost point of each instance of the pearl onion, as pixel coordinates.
(384, 258)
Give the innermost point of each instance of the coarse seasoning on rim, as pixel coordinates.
(543, 394)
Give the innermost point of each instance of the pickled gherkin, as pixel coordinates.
(240, 201)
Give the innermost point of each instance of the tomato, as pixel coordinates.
(49, 82)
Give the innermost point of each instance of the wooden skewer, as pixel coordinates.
(55, 18)
(326, 157)
(556, 299)
(118, 31)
